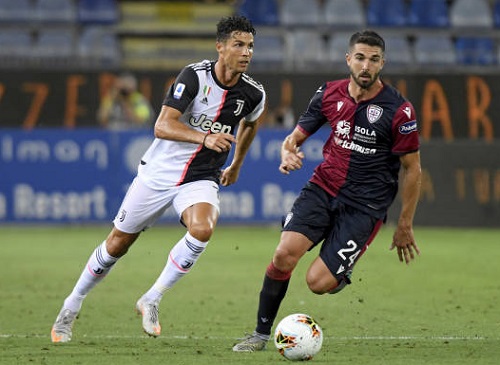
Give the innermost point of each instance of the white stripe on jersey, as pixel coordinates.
(252, 82)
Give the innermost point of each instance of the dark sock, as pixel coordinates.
(273, 291)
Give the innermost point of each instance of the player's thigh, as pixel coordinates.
(319, 278)
(141, 207)
(202, 191)
(310, 214)
(353, 232)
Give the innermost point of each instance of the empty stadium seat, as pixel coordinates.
(471, 13)
(434, 49)
(428, 13)
(475, 51)
(496, 14)
(55, 11)
(16, 47)
(306, 49)
(54, 47)
(98, 47)
(338, 46)
(398, 50)
(344, 13)
(16, 11)
(387, 13)
(269, 52)
(98, 11)
(300, 12)
(260, 12)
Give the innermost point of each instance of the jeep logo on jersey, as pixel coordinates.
(408, 127)
(239, 106)
(373, 113)
(209, 125)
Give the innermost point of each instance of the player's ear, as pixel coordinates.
(219, 46)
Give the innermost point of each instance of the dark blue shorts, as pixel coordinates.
(345, 231)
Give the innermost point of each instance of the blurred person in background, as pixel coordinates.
(209, 102)
(124, 107)
(345, 202)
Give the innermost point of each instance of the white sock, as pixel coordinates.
(181, 259)
(98, 266)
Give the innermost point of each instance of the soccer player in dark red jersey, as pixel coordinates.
(342, 206)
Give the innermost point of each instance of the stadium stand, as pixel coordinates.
(55, 47)
(344, 13)
(269, 52)
(159, 34)
(387, 13)
(338, 45)
(260, 12)
(98, 12)
(300, 13)
(496, 13)
(435, 50)
(398, 50)
(157, 53)
(475, 51)
(56, 11)
(471, 13)
(16, 12)
(98, 47)
(428, 14)
(306, 49)
(15, 47)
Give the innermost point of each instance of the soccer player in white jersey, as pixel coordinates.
(208, 104)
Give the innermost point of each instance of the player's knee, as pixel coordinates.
(316, 285)
(284, 259)
(202, 232)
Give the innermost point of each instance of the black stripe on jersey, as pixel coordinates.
(252, 82)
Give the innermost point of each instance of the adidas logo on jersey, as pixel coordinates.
(209, 125)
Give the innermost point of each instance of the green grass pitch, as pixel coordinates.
(444, 308)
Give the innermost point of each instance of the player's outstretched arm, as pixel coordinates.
(403, 238)
(291, 156)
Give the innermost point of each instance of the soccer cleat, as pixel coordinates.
(251, 343)
(149, 311)
(61, 330)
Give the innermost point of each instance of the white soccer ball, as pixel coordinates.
(298, 337)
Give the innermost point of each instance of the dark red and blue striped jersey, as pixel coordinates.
(361, 155)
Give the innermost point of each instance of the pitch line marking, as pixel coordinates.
(335, 338)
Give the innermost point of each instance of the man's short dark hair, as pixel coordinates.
(229, 24)
(368, 37)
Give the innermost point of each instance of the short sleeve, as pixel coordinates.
(405, 130)
(313, 118)
(258, 110)
(183, 90)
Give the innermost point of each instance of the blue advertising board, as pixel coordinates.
(81, 176)
(60, 176)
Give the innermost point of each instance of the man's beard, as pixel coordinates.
(365, 84)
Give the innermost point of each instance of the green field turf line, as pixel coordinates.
(335, 338)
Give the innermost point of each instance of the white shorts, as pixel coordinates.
(142, 206)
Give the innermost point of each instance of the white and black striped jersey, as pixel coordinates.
(209, 107)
